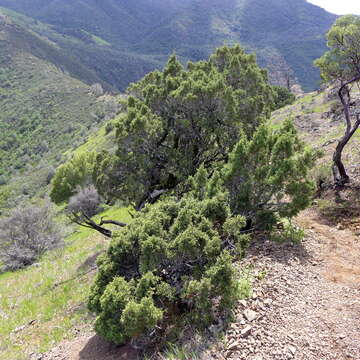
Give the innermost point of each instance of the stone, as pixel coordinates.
(20, 328)
(292, 349)
(234, 345)
(243, 303)
(268, 302)
(246, 331)
(250, 315)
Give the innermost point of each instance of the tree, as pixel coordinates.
(26, 234)
(341, 65)
(178, 119)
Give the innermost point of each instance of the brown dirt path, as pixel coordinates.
(338, 249)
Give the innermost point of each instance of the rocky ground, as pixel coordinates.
(305, 304)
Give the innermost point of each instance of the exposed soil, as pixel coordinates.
(307, 307)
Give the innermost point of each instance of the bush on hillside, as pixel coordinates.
(268, 175)
(199, 139)
(69, 176)
(174, 260)
(282, 97)
(87, 202)
(26, 234)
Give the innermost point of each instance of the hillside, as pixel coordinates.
(319, 117)
(44, 106)
(303, 297)
(123, 40)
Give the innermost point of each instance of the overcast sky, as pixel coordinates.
(339, 7)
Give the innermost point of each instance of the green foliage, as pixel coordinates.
(342, 61)
(267, 175)
(179, 119)
(288, 232)
(5, 194)
(341, 66)
(282, 97)
(174, 259)
(322, 175)
(77, 172)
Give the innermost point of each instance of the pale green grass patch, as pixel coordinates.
(51, 294)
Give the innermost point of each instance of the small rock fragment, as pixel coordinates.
(234, 345)
(292, 349)
(268, 302)
(250, 315)
(246, 331)
(243, 303)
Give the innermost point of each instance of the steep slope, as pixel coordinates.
(114, 68)
(44, 110)
(320, 119)
(287, 34)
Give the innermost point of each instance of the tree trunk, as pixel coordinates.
(339, 172)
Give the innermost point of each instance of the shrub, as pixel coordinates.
(178, 119)
(282, 97)
(87, 201)
(174, 259)
(268, 175)
(322, 176)
(288, 232)
(26, 234)
(109, 127)
(69, 176)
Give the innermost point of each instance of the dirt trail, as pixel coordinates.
(308, 305)
(306, 308)
(339, 250)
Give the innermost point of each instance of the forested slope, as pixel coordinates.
(136, 37)
(45, 108)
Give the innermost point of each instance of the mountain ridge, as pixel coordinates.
(288, 31)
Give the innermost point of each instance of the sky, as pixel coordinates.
(339, 7)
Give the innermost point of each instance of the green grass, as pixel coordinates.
(176, 352)
(100, 41)
(97, 141)
(53, 294)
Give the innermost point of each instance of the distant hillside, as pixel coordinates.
(45, 109)
(125, 39)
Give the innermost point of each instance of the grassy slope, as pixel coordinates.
(93, 58)
(51, 296)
